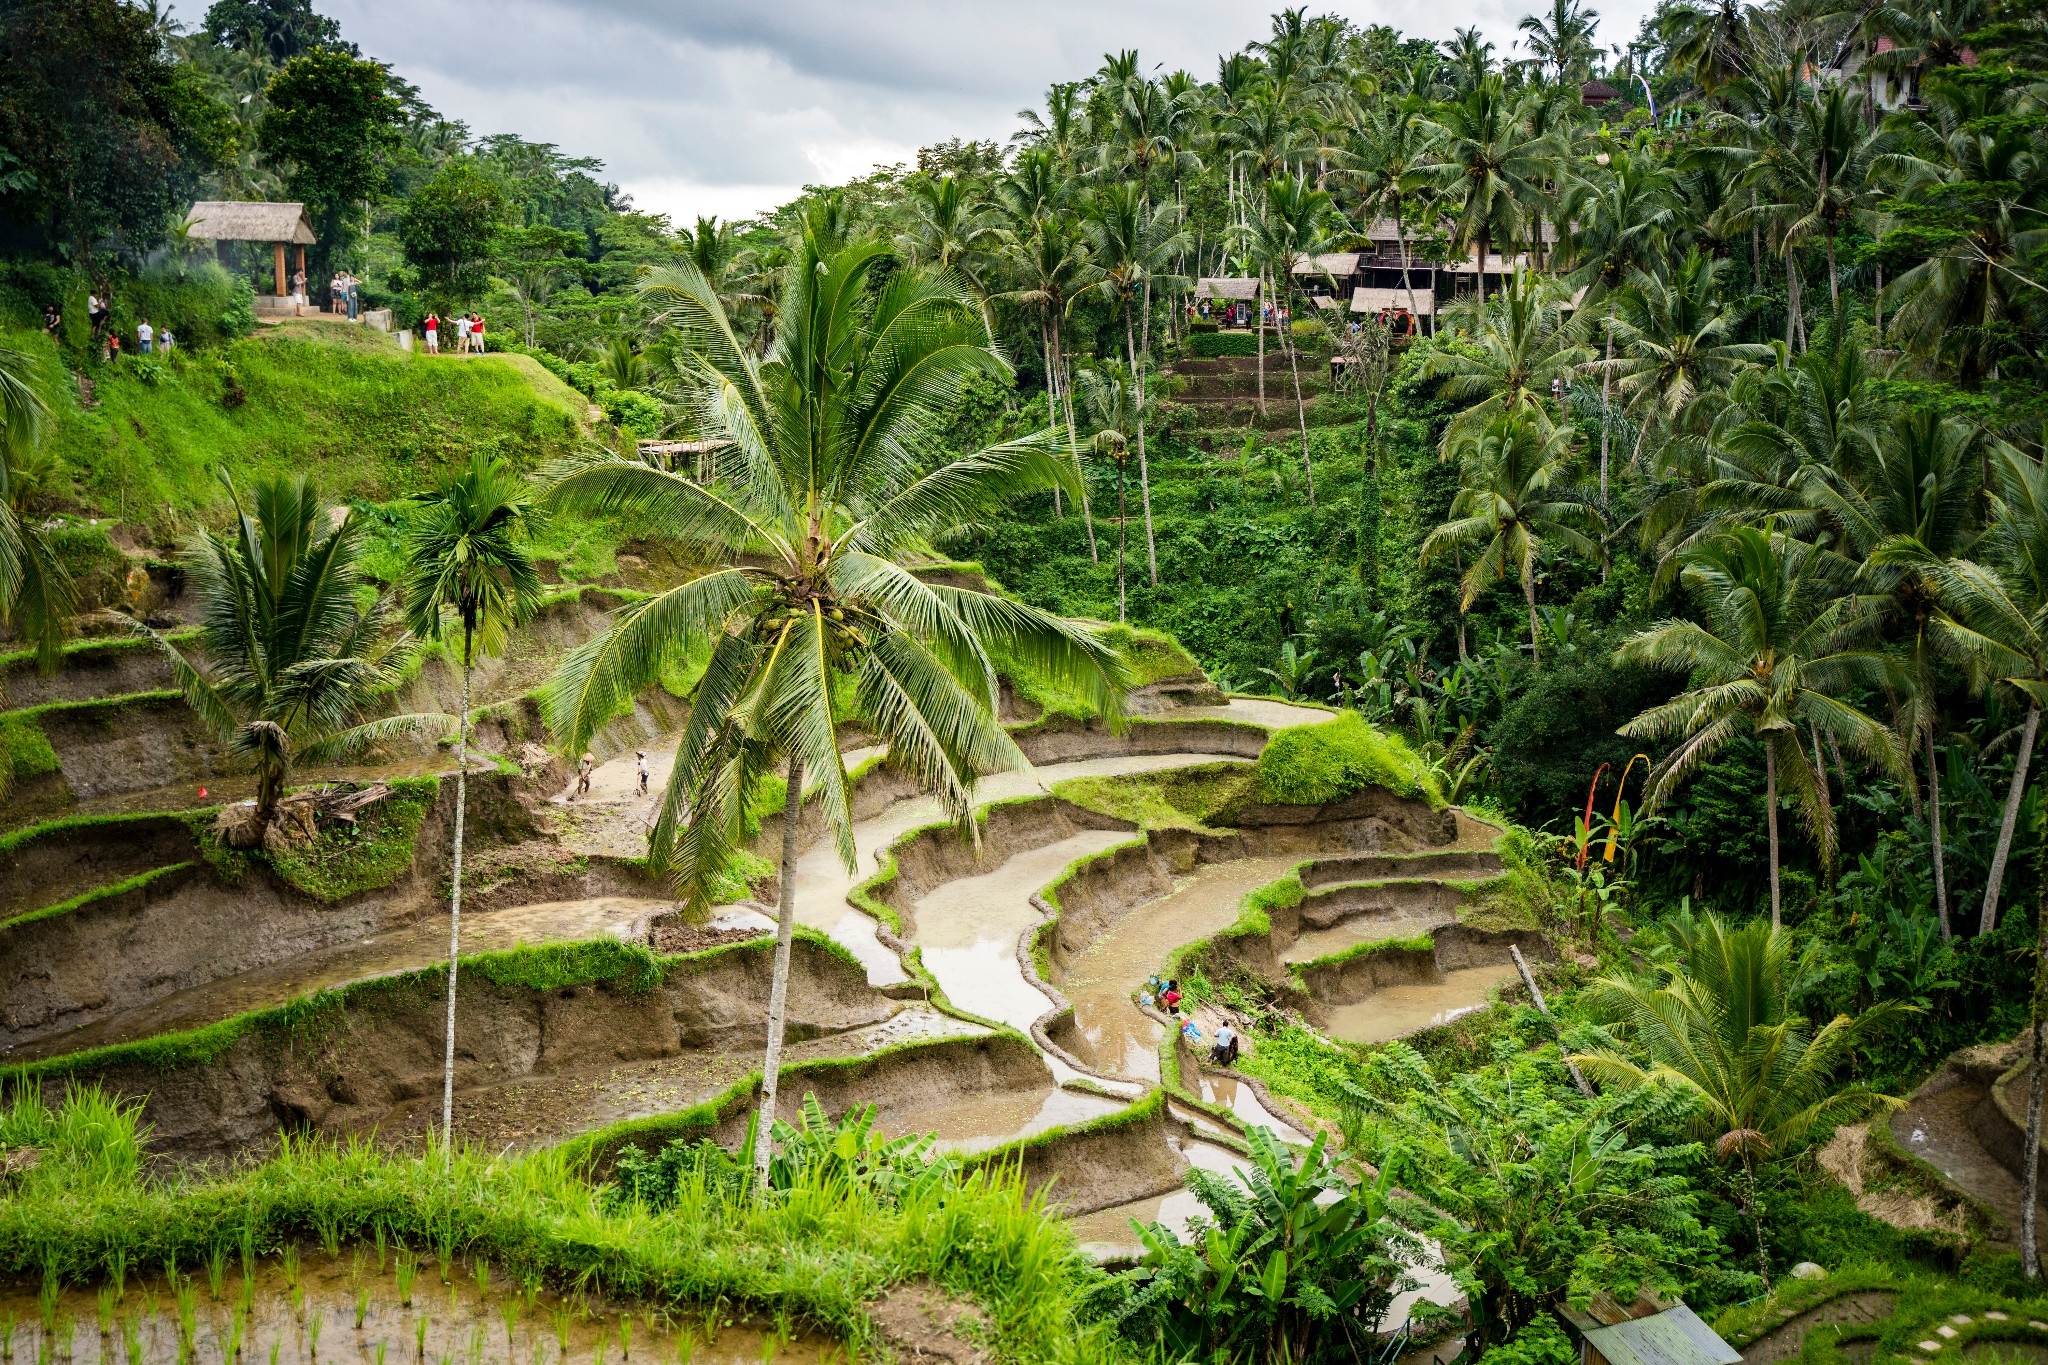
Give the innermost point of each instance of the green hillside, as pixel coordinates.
(141, 441)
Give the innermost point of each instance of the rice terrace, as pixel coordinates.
(1374, 698)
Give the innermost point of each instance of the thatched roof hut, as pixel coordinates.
(229, 220)
(234, 220)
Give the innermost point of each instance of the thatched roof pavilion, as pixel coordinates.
(233, 220)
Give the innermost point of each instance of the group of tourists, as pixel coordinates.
(1165, 993)
(469, 334)
(344, 293)
(148, 339)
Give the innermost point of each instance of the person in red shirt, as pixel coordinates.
(432, 327)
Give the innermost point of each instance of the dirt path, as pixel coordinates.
(1940, 1129)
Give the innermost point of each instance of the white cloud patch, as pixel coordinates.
(709, 106)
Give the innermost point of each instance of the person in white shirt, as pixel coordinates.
(641, 756)
(462, 336)
(146, 334)
(1224, 1053)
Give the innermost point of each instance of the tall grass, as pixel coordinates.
(814, 1254)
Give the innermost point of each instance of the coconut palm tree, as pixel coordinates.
(1711, 43)
(1625, 217)
(290, 658)
(1722, 1027)
(1905, 499)
(1674, 335)
(1773, 659)
(466, 550)
(1049, 255)
(1562, 39)
(1516, 501)
(1994, 614)
(36, 592)
(1291, 226)
(1524, 347)
(1110, 396)
(1134, 246)
(1488, 166)
(834, 476)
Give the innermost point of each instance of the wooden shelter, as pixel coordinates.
(280, 225)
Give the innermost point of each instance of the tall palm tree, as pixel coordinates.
(1774, 657)
(1516, 501)
(949, 230)
(1625, 218)
(1562, 39)
(1290, 227)
(466, 550)
(1674, 335)
(1050, 258)
(835, 473)
(1110, 395)
(1900, 501)
(1134, 246)
(290, 658)
(36, 592)
(1524, 346)
(1994, 614)
(1489, 167)
(1722, 1027)
(1711, 43)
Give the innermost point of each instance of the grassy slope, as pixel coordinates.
(366, 419)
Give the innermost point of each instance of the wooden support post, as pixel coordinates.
(1536, 994)
(280, 269)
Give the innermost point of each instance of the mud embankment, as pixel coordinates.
(339, 1064)
(76, 968)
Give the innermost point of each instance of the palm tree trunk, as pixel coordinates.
(1989, 919)
(1796, 322)
(1934, 830)
(1052, 399)
(1144, 474)
(455, 911)
(1771, 818)
(1067, 403)
(1120, 526)
(1259, 321)
(778, 991)
(1877, 303)
(1606, 378)
(1480, 274)
(1300, 415)
(2030, 1256)
(1528, 596)
(1834, 275)
(1401, 234)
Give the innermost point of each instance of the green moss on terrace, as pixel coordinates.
(120, 644)
(554, 966)
(97, 894)
(1198, 798)
(1415, 943)
(1316, 765)
(378, 849)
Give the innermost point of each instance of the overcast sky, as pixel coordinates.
(729, 107)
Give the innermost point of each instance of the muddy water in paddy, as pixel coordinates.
(822, 880)
(1111, 1227)
(312, 1317)
(975, 1124)
(388, 954)
(969, 930)
(1394, 1011)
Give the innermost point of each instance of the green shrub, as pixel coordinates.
(25, 751)
(199, 302)
(1223, 343)
(375, 851)
(1314, 765)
